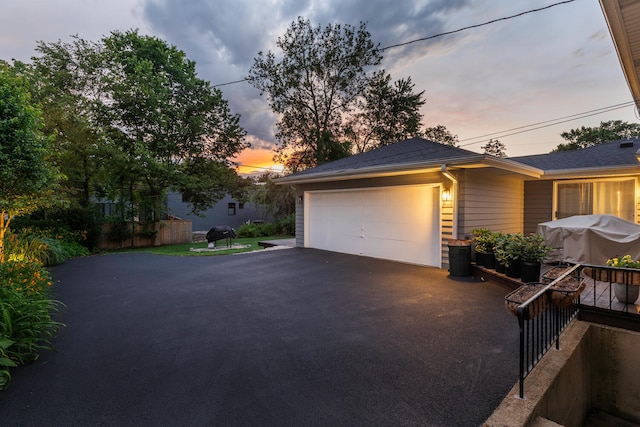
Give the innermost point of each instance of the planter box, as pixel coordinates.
(513, 300)
(611, 275)
(565, 291)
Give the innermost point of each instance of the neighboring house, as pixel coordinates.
(227, 211)
(404, 201)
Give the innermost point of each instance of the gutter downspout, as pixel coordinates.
(454, 199)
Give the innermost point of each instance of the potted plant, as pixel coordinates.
(627, 282)
(499, 251)
(480, 244)
(508, 253)
(534, 252)
(489, 244)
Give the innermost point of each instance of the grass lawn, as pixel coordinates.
(185, 249)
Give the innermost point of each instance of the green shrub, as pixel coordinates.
(287, 225)
(47, 250)
(267, 229)
(74, 249)
(119, 231)
(81, 225)
(26, 306)
(248, 230)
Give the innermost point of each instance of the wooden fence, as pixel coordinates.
(167, 232)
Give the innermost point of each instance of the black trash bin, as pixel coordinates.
(459, 257)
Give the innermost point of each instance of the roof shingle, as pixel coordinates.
(409, 151)
(608, 154)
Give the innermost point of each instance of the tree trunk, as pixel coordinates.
(4, 226)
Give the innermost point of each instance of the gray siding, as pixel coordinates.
(490, 198)
(447, 232)
(538, 204)
(299, 218)
(218, 215)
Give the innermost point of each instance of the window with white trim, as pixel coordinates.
(599, 196)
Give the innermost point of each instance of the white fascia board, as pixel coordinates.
(600, 171)
(474, 161)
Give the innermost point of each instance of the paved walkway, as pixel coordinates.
(294, 337)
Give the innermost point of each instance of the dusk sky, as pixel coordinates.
(480, 83)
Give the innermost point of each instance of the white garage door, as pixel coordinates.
(396, 223)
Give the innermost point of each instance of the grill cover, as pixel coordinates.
(591, 239)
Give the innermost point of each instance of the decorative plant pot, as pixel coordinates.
(552, 274)
(479, 259)
(489, 260)
(500, 268)
(529, 271)
(515, 298)
(513, 270)
(628, 277)
(626, 294)
(564, 292)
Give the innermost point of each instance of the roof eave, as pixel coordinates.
(473, 161)
(620, 36)
(600, 171)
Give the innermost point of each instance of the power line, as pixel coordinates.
(478, 25)
(440, 34)
(547, 123)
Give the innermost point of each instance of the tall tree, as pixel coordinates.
(495, 148)
(389, 112)
(159, 114)
(584, 137)
(312, 86)
(63, 83)
(441, 134)
(26, 175)
(133, 118)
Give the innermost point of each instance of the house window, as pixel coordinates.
(231, 209)
(607, 196)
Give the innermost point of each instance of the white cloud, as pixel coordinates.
(511, 73)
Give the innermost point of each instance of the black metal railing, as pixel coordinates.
(542, 321)
(602, 281)
(610, 296)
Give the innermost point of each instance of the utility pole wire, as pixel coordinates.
(477, 25)
(553, 121)
(441, 34)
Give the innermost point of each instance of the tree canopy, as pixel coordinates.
(584, 137)
(441, 134)
(133, 119)
(495, 148)
(26, 174)
(389, 112)
(329, 99)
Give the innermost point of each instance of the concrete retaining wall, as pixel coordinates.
(595, 368)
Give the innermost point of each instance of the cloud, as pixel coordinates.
(543, 65)
(24, 23)
(224, 38)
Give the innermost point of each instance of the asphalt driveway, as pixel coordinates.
(289, 338)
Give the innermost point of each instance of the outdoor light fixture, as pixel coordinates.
(446, 195)
(300, 199)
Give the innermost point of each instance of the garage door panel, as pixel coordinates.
(398, 223)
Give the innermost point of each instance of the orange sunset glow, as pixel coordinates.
(256, 161)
